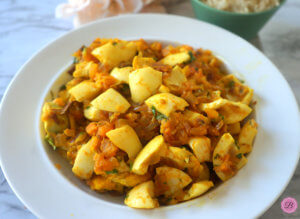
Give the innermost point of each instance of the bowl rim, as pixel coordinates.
(237, 14)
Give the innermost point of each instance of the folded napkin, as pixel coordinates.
(85, 11)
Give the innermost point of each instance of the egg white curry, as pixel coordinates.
(161, 125)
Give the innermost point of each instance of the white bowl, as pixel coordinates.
(51, 193)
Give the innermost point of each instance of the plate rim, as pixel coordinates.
(21, 71)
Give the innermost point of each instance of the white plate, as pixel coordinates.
(51, 193)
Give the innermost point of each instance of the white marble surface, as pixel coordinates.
(26, 26)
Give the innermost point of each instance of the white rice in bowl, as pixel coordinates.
(242, 6)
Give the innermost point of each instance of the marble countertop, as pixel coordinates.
(26, 26)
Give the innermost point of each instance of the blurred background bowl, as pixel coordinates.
(246, 25)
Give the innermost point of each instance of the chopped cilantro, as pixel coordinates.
(62, 87)
(192, 56)
(153, 110)
(231, 84)
(251, 122)
(236, 144)
(165, 183)
(75, 60)
(242, 81)
(169, 199)
(158, 115)
(239, 156)
(216, 156)
(114, 43)
(125, 87)
(222, 117)
(50, 141)
(130, 166)
(114, 171)
(81, 133)
(88, 107)
(126, 196)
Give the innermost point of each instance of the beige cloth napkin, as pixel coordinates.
(84, 11)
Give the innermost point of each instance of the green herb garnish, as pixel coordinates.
(216, 156)
(153, 110)
(75, 60)
(192, 57)
(239, 155)
(236, 144)
(222, 117)
(169, 199)
(231, 84)
(158, 115)
(114, 43)
(88, 107)
(62, 87)
(130, 166)
(114, 171)
(125, 88)
(50, 141)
